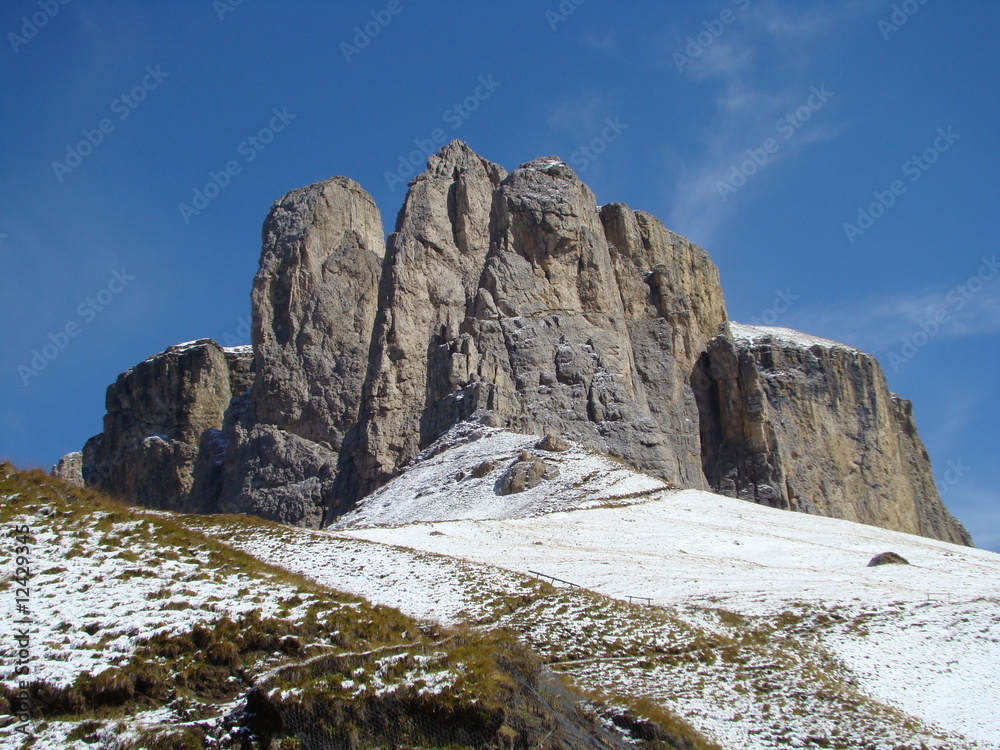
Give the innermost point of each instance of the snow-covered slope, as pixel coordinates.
(442, 482)
(924, 638)
(763, 628)
(131, 630)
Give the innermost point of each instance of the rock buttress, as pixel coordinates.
(811, 425)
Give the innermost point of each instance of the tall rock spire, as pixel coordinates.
(314, 303)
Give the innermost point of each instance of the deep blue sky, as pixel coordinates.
(684, 126)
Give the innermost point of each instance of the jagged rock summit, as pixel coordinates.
(516, 302)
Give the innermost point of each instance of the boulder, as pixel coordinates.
(552, 444)
(526, 472)
(887, 558)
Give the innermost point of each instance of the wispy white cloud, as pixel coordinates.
(761, 69)
(804, 24)
(579, 117)
(882, 324)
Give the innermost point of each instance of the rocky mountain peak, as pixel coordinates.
(514, 301)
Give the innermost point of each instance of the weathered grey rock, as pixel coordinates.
(552, 444)
(421, 356)
(70, 468)
(314, 302)
(535, 312)
(526, 472)
(276, 475)
(674, 305)
(516, 302)
(482, 469)
(313, 308)
(740, 456)
(808, 424)
(156, 414)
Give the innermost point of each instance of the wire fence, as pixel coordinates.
(632, 599)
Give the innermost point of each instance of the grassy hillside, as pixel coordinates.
(135, 629)
(751, 681)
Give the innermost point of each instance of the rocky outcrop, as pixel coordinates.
(527, 472)
(422, 360)
(313, 309)
(739, 450)
(516, 302)
(513, 299)
(157, 413)
(808, 424)
(70, 468)
(314, 303)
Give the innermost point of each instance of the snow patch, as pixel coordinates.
(441, 483)
(786, 336)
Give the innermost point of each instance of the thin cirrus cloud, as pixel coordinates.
(761, 67)
(881, 325)
(579, 118)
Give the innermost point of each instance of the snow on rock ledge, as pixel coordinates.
(785, 336)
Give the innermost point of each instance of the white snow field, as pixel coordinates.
(922, 638)
(764, 628)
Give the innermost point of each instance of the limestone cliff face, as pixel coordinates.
(808, 424)
(157, 413)
(516, 301)
(420, 353)
(314, 304)
(313, 307)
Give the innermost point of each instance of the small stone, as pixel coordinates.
(481, 470)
